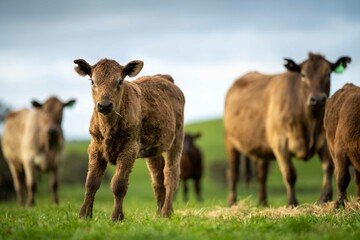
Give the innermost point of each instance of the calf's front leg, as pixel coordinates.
(119, 185)
(96, 170)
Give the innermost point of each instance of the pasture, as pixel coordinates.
(210, 219)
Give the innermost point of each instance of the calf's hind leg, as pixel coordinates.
(357, 183)
(172, 173)
(156, 169)
(342, 179)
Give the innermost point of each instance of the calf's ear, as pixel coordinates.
(82, 68)
(36, 104)
(291, 65)
(70, 103)
(340, 64)
(133, 68)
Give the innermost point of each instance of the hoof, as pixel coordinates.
(165, 213)
(117, 217)
(231, 201)
(339, 205)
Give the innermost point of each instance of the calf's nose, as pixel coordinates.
(104, 107)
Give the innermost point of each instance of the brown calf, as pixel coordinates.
(33, 138)
(279, 116)
(138, 119)
(191, 165)
(342, 128)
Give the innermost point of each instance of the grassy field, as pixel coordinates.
(210, 219)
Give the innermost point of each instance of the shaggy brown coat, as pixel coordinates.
(33, 138)
(342, 128)
(191, 165)
(279, 116)
(138, 119)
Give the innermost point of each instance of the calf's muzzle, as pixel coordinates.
(104, 107)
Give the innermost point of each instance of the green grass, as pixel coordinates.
(210, 219)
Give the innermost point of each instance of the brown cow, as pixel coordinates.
(280, 116)
(342, 128)
(33, 138)
(191, 165)
(138, 119)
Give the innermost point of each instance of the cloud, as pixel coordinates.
(204, 45)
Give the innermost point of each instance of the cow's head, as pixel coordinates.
(51, 117)
(189, 141)
(315, 77)
(107, 78)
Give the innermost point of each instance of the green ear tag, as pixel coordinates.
(70, 104)
(340, 68)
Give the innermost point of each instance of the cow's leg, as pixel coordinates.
(96, 170)
(172, 172)
(248, 170)
(262, 173)
(18, 183)
(342, 174)
(156, 169)
(233, 165)
(54, 185)
(185, 191)
(357, 184)
(328, 171)
(198, 189)
(119, 185)
(30, 180)
(288, 172)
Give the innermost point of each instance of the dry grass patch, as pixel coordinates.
(245, 211)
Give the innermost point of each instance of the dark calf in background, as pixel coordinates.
(191, 165)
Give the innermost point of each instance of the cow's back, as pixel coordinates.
(245, 113)
(342, 119)
(13, 133)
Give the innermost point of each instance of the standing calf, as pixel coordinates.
(191, 165)
(139, 119)
(33, 138)
(342, 128)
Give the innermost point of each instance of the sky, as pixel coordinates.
(204, 45)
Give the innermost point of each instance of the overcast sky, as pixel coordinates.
(204, 45)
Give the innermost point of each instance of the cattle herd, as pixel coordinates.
(283, 116)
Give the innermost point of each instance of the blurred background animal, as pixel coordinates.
(33, 140)
(279, 117)
(191, 166)
(341, 122)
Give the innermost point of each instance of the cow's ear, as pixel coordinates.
(196, 135)
(36, 104)
(340, 64)
(133, 68)
(291, 65)
(70, 103)
(82, 68)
